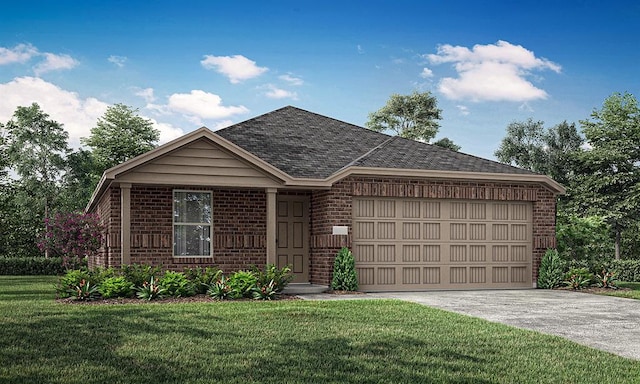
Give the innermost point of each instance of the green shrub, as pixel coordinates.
(69, 281)
(241, 284)
(176, 284)
(344, 272)
(551, 270)
(606, 279)
(85, 290)
(138, 274)
(100, 274)
(21, 266)
(265, 291)
(625, 270)
(281, 277)
(150, 290)
(116, 286)
(578, 278)
(220, 289)
(202, 278)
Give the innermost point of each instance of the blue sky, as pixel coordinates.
(213, 63)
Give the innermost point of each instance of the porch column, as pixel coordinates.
(125, 223)
(271, 225)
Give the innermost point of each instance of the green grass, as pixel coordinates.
(365, 341)
(634, 293)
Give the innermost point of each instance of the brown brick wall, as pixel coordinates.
(333, 207)
(238, 233)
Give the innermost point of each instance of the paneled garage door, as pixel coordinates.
(419, 244)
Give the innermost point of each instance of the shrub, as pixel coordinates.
(344, 272)
(20, 266)
(84, 290)
(578, 278)
(551, 270)
(606, 279)
(265, 291)
(625, 270)
(220, 289)
(67, 284)
(241, 284)
(201, 278)
(271, 273)
(139, 274)
(176, 284)
(150, 290)
(72, 236)
(116, 286)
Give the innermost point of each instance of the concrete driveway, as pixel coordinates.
(608, 323)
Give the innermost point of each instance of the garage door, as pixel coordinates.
(419, 244)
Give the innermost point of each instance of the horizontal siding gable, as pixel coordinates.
(200, 163)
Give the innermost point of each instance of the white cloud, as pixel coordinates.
(54, 62)
(21, 53)
(426, 73)
(221, 124)
(202, 105)
(117, 60)
(237, 68)
(464, 110)
(292, 80)
(146, 94)
(493, 72)
(360, 49)
(278, 93)
(78, 115)
(167, 131)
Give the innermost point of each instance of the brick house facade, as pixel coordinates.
(249, 193)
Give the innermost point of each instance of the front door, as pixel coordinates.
(293, 236)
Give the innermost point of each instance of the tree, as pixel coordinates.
(80, 180)
(608, 181)
(119, 135)
(529, 145)
(412, 116)
(4, 156)
(446, 142)
(36, 151)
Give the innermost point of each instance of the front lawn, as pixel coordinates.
(367, 341)
(634, 292)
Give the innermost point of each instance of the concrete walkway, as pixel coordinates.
(608, 323)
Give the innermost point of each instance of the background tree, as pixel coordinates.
(412, 116)
(608, 178)
(446, 142)
(552, 151)
(81, 177)
(36, 151)
(119, 135)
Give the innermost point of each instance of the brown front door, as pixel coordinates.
(293, 236)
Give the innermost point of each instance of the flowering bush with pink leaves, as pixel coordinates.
(71, 236)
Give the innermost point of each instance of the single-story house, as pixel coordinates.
(292, 187)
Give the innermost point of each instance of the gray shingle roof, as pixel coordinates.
(307, 145)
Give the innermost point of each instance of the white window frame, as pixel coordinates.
(174, 224)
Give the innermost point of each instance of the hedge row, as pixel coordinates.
(625, 270)
(32, 266)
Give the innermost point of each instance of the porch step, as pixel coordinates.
(304, 289)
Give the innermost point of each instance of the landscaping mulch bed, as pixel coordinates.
(167, 300)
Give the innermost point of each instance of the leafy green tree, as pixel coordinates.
(119, 135)
(523, 146)
(608, 181)
(446, 142)
(4, 156)
(37, 150)
(552, 151)
(412, 116)
(583, 238)
(80, 179)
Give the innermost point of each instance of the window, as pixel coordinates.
(191, 224)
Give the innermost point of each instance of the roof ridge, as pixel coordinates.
(369, 152)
